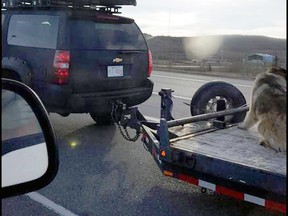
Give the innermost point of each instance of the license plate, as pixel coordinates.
(115, 71)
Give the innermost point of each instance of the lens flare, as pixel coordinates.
(202, 47)
(73, 144)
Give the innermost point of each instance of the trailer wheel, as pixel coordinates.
(205, 99)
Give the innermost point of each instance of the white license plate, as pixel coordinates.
(115, 71)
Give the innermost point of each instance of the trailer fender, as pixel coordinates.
(16, 68)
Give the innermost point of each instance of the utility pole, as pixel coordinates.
(169, 23)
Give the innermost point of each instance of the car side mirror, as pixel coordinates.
(29, 152)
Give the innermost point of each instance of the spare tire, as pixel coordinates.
(205, 99)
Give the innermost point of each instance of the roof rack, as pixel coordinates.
(106, 6)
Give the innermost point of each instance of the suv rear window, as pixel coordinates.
(33, 31)
(108, 36)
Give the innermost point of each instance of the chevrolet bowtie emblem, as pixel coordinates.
(117, 60)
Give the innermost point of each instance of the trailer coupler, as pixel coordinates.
(126, 117)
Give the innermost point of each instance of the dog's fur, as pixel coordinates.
(268, 107)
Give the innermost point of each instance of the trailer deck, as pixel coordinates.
(231, 144)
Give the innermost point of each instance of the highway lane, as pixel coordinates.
(184, 86)
(101, 173)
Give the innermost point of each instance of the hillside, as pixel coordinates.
(231, 48)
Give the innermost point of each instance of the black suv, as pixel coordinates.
(77, 59)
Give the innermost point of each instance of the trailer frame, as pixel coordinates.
(238, 180)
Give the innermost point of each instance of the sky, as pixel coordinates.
(182, 18)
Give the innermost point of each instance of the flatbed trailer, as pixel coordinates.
(206, 151)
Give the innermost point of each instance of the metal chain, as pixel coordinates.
(126, 134)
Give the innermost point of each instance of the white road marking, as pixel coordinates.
(175, 96)
(50, 204)
(197, 80)
(150, 118)
(180, 97)
(179, 78)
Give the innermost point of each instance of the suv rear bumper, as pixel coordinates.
(96, 102)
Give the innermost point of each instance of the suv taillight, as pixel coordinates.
(61, 66)
(150, 62)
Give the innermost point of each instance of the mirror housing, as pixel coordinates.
(29, 156)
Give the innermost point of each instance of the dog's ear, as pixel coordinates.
(278, 70)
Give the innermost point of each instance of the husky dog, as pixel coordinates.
(268, 107)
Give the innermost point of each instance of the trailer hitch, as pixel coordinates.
(126, 117)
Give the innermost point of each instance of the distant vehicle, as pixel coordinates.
(261, 59)
(256, 62)
(78, 59)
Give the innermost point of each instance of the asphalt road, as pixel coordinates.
(101, 173)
